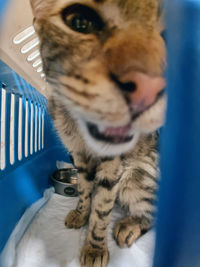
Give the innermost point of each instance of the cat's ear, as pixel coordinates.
(39, 8)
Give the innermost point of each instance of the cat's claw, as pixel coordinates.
(94, 256)
(75, 219)
(126, 232)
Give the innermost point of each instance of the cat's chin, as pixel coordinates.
(117, 140)
(112, 142)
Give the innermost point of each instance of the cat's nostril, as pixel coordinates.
(129, 87)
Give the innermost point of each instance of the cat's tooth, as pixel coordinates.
(101, 128)
(131, 132)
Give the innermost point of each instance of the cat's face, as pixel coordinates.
(105, 61)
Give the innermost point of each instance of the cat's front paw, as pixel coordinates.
(94, 256)
(126, 232)
(75, 219)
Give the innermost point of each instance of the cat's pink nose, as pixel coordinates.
(142, 89)
(147, 89)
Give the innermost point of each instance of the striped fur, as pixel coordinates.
(82, 90)
(129, 180)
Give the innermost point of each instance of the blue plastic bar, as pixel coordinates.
(178, 224)
(16, 78)
(7, 129)
(2, 8)
(30, 90)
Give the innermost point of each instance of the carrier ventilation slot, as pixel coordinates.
(12, 129)
(33, 55)
(31, 130)
(28, 42)
(3, 128)
(26, 129)
(20, 37)
(36, 128)
(30, 45)
(21, 128)
(39, 129)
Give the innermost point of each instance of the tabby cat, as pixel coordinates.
(104, 60)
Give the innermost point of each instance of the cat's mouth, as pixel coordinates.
(113, 135)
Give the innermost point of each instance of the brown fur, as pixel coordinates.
(78, 67)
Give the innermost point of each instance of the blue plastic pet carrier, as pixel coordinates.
(178, 225)
(30, 147)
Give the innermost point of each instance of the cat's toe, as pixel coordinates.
(94, 256)
(126, 232)
(75, 219)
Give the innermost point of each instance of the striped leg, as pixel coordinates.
(78, 217)
(95, 252)
(138, 193)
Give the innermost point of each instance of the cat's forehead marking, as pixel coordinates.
(128, 9)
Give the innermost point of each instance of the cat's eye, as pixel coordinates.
(82, 19)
